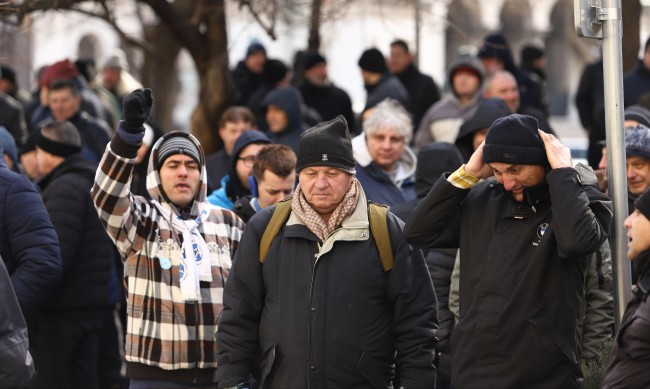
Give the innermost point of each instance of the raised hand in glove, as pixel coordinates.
(136, 107)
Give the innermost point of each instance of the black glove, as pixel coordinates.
(136, 107)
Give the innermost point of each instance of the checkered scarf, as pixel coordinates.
(314, 221)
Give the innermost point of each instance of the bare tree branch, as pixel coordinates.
(270, 28)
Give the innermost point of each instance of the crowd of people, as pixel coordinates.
(319, 247)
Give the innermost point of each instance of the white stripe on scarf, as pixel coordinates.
(193, 268)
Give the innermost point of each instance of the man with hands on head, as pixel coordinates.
(523, 238)
(176, 251)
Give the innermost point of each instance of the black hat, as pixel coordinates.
(178, 145)
(637, 113)
(7, 73)
(326, 144)
(373, 60)
(274, 71)
(312, 59)
(637, 141)
(642, 204)
(255, 48)
(514, 139)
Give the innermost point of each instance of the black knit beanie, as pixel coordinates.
(514, 139)
(373, 60)
(178, 145)
(642, 204)
(638, 114)
(326, 144)
(312, 59)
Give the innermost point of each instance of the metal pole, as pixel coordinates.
(610, 15)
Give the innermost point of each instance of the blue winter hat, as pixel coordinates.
(8, 144)
(637, 141)
(255, 48)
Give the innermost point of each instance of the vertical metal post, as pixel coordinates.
(418, 23)
(610, 15)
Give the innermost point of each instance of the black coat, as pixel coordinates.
(28, 243)
(522, 274)
(329, 101)
(630, 354)
(388, 86)
(422, 90)
(86, 249)
(635, 84)
(216, 165)
(331, 322)
(245, 81)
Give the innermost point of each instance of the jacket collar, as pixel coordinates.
(405, 166)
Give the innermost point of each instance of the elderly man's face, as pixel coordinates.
(515, 178)
(324, 188)
(504, 86)
(638, 230)
(179, 176)
(386, 147)
(638, 174)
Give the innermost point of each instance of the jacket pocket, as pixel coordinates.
(371, 372)
(266, 365)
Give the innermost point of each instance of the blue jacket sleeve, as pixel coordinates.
(33, 243)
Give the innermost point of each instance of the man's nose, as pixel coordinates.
(508, 183)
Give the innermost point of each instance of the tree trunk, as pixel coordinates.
(216, 87)
(314, 26)
(159, 73)
(631, 10)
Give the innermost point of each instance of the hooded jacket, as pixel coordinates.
(522, 278)
(442, 121)
(388, 87)
(167, 338)
(325, 314)
(231, 189)
(487, 112)
(289, 101)
(628, 363)
(379, 186)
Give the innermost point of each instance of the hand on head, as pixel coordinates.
(476, 166)
(558, 154)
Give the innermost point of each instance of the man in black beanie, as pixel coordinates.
(628, 366)
(523, 237)
(320, 93)
(379, 82)
(313, 306)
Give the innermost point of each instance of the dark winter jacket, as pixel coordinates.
(325, 315)
(28, 243)
(635, 84)
(245, 81)
(630, 354)
(16, 364)
(433, 160)
(329, 101)
(244, 208)
(95, 134)
(216, 165)
(422, 90)
(86, 250)
(590, 102)
(523, 267)
(11, 117)
(388, 86)
(288, 100)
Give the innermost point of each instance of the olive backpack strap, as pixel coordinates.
(377, 215)
(279, 217)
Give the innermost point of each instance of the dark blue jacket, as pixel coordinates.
(381, 189)
(635, 84)
(28, 242)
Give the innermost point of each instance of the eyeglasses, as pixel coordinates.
(248, 161)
